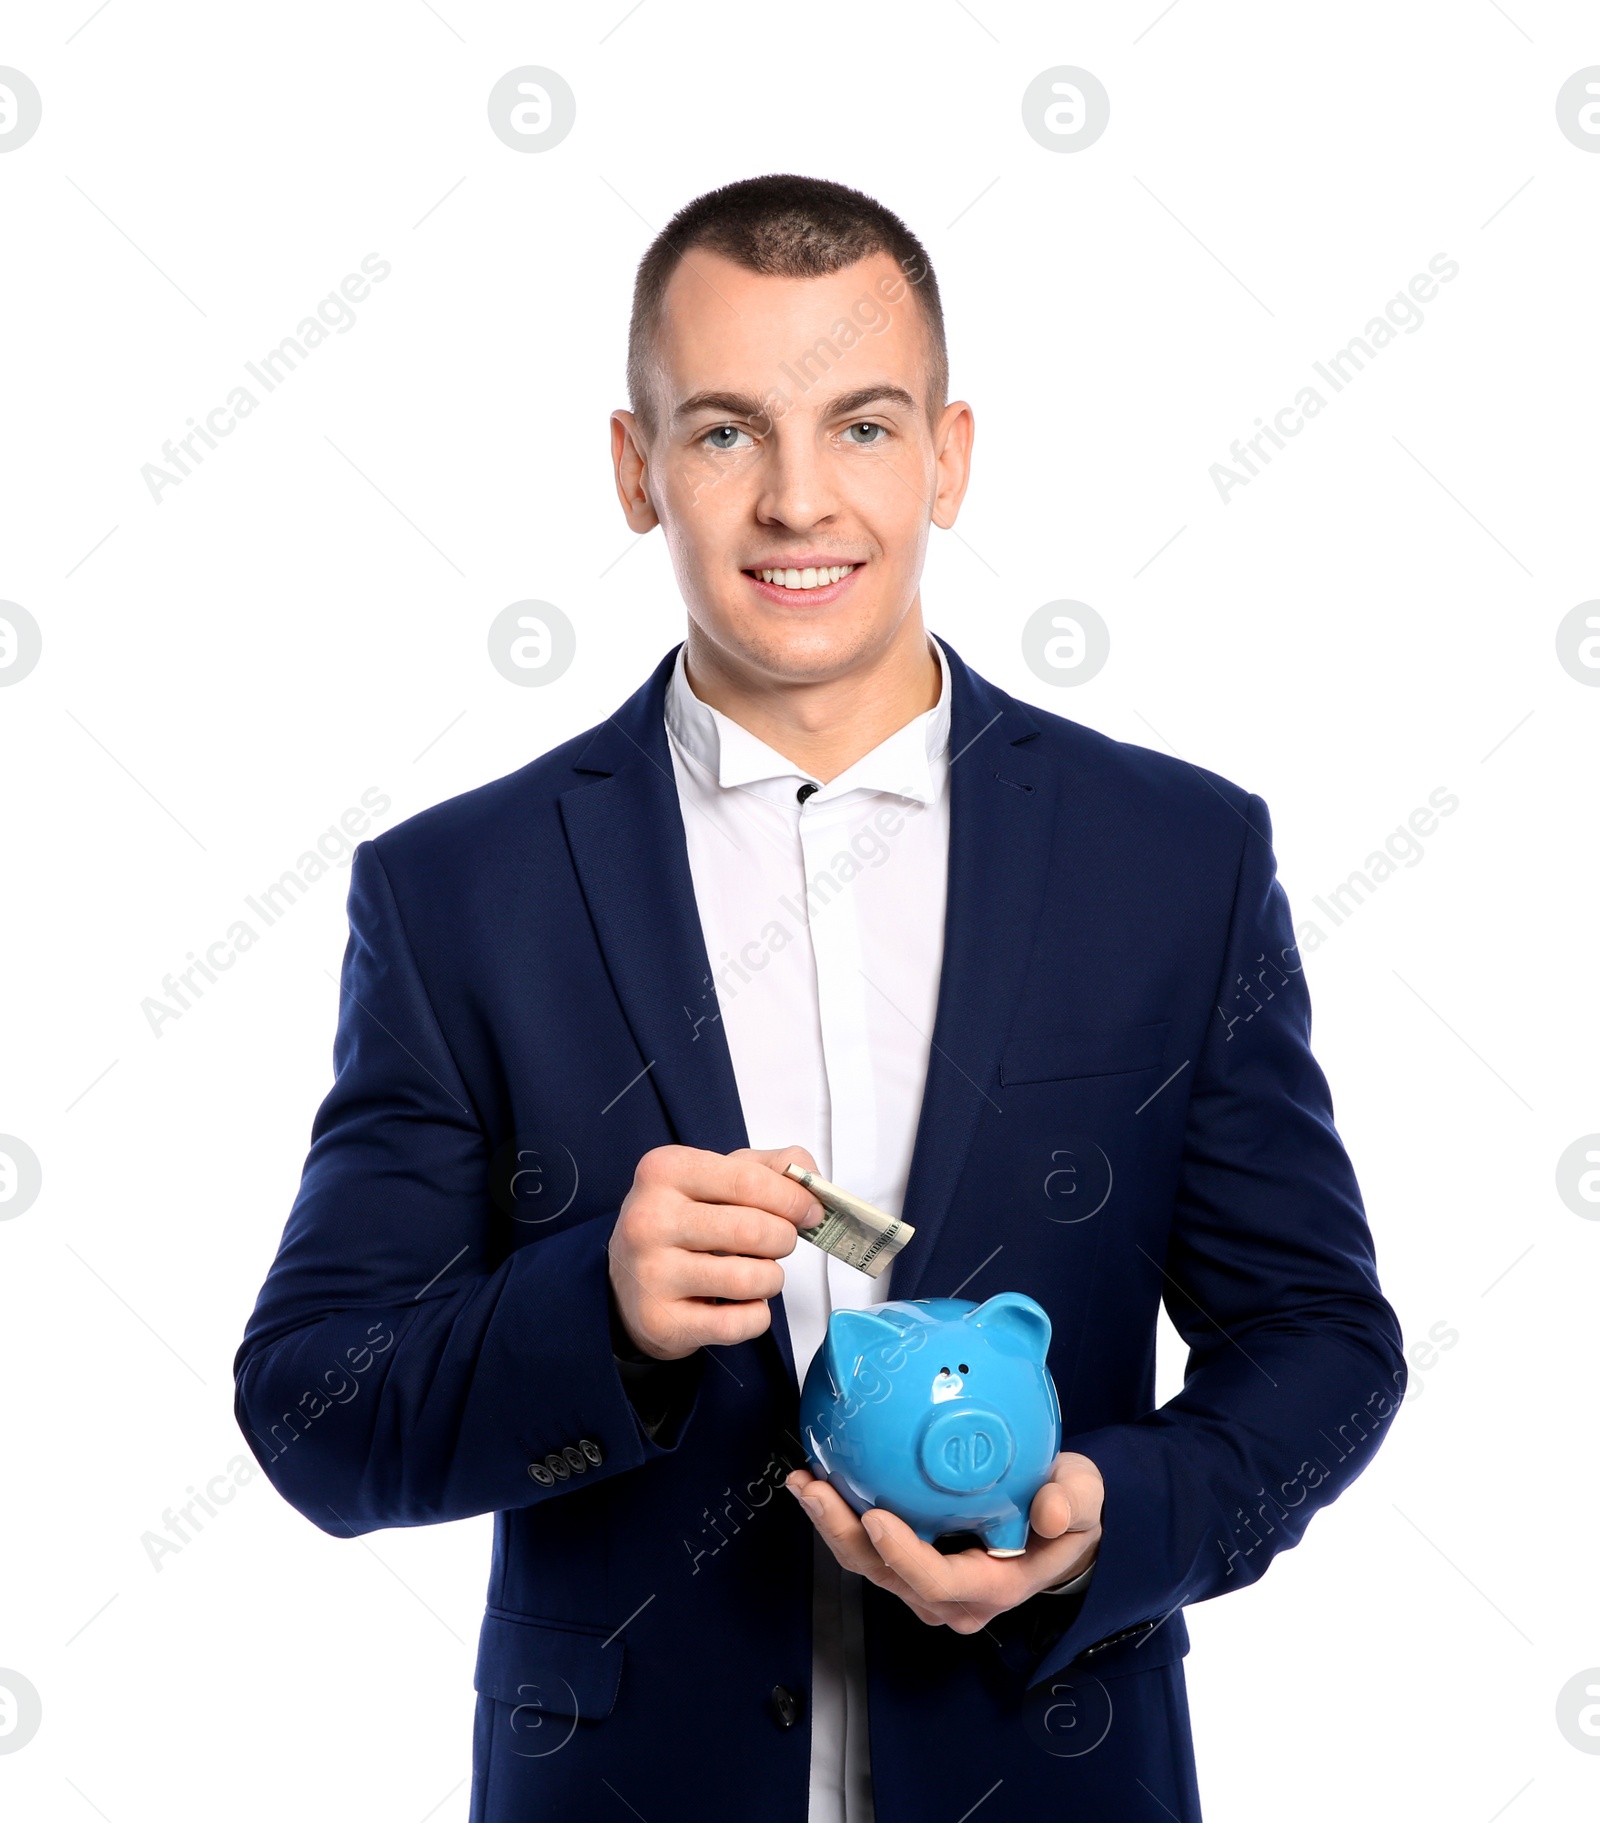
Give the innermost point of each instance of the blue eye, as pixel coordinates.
(878, 433)
(714, 439)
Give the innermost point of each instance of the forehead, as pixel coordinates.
(723, 326)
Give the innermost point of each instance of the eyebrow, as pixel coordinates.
(745, 405)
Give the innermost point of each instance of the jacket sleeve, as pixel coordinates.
(1295, 1362)
(400, 1368)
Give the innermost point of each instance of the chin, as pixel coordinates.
(801, 652)
(795, 644)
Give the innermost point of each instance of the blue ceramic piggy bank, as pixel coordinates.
(939, 1410)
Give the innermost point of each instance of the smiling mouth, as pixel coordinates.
(820, 577)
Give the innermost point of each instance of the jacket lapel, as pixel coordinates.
(625, 830)
(1002, 813)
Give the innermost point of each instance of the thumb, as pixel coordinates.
(1051, 1512)
(790, 1155)
(1071, 1500)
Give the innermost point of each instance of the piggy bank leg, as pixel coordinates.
(1007, 1537)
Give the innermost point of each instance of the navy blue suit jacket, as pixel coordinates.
(1121, 1109)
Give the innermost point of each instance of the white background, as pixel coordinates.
(304, 617)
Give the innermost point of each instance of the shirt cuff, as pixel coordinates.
(1080, 1581)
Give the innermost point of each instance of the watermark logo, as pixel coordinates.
(1066, 642)
(20, 1708)
(1577, 1710)
(533, 1179)
(339, 1386)
(21, 642)
(531, 642)
(1577, 1177)
(1402, 847)
(20, 109)
(20, 1177)
(758, 1492)
(532, 109)
(1577, 642)
(1424, 1357)
(1402, 314)
(1070, 1716)
(527, 1720)
(1078, 1182)
(1577, 113)
(866, 845)
(1065, 109)
(220, 1491)
(334, 315)
(869, 315)
(334, 848)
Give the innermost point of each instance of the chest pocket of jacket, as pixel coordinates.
(546, 1669)
(1058, 1056)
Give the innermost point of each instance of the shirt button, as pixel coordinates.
(785, 1706)
(557, 1465)
(592, 1450)
(538, 1472)
(805, 791)
(576, 1460)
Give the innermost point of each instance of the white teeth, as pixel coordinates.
(807, 578)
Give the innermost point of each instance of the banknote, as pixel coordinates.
(851, 1230)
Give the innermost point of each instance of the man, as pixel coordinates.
(817, 892)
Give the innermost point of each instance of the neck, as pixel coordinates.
(824, 725)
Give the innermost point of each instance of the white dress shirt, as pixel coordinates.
(824, 926)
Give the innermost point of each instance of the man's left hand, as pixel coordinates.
(967, 1589)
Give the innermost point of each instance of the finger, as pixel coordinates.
(845, 1543)
(843, 1531)
(728, 1228)
(732, 1277)
(785, 1155)
(723, 1325)
(961, 1581)
(742, 1178)
(840, 1526)
(685, 1324)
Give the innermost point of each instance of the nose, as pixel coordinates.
(796, 491)
(965, 1449)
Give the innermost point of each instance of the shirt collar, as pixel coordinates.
(910, 763)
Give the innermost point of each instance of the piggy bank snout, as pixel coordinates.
(965, 1449)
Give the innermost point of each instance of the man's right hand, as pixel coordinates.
(701, 1226)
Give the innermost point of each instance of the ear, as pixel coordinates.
(850, 1334)
(1015, 1325)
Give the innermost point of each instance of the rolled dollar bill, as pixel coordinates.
(851, 1230)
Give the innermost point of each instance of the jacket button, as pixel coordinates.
(591, 1449)
(576, 1460)
(557, 1465)
(538, 1472)
(785, 1706)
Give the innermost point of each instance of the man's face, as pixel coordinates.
(792, 435)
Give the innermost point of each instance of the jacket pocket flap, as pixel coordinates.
(559, 1667)
(1063, 1054)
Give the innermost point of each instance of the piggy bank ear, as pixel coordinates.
(1015, 1325)
(850, 1334)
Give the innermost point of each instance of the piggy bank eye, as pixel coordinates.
(944, 1370)
(962, 1368)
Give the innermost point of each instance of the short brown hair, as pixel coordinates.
(791, 227)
